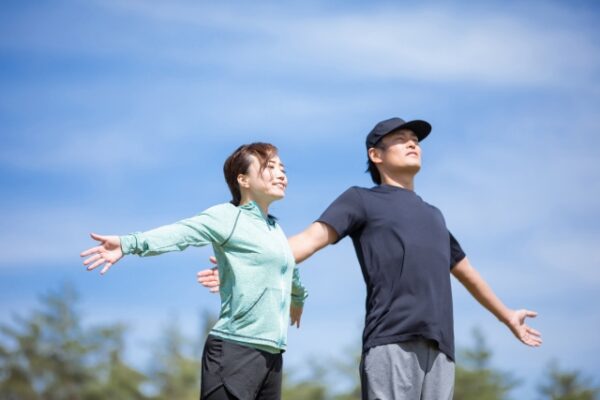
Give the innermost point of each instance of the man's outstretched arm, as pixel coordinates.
(311, 240)
(303, 245)
(483, 293)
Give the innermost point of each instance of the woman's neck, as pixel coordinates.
(263, 205)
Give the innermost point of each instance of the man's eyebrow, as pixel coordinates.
(406, 136)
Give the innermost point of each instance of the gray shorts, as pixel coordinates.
(410, 370)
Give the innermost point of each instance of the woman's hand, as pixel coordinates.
(107, 253)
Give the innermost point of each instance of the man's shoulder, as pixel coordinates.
(433, 210)
(360, 189)
(355, 194)
(431, 206)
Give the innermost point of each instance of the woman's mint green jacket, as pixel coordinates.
(257, 270)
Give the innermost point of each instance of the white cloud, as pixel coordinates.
(105, 150)
(574, 256)
(529, 172)
(436, 44)
(440, 44)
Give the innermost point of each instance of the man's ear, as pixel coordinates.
(243, 181)
(374, 155)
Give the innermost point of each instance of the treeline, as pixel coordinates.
(51, 355)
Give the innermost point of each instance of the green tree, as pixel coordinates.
(313, 387)
(346, 369)
(476, 379)
(50, 355)
(343, 371)
(116, 379)
(175, 368)
(566, 385)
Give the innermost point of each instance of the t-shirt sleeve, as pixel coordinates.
(346, 214)
(210, 226)
(456, 252)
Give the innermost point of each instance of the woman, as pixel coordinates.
(242, 355)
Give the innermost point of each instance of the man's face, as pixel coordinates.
(400, 150)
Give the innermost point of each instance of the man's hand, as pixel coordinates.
(107, 253)
(523, 332)
(295, 315)
(209, 278)
(515, 320)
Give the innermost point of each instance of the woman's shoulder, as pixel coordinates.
(221, 210)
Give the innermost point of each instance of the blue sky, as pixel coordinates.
(116, 116)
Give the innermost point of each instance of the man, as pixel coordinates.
(406, 254)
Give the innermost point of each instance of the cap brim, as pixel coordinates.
(419, 127)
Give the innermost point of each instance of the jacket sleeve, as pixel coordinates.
(299, 292)
(208, 227)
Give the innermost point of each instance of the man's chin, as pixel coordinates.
(411, 168)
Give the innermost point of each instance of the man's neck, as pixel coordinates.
(403, 181)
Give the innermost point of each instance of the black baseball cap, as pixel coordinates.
(419, 127)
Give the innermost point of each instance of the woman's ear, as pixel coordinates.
(243, 181)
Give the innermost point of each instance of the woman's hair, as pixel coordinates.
(239, 161)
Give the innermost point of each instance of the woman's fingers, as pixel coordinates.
(106, 268)
(96, 264)
(100, 238)
(91, 250)
(92, 259)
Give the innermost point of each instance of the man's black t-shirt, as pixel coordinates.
(405, 252)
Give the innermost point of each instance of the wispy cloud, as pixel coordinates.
(104, 94)
(436, 44)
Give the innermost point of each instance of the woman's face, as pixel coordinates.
(268, 184)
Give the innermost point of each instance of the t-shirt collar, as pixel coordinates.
(384, 187)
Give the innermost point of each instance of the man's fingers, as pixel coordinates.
(213, 259)
(209, 273)
(533, 342)
(530, 314)
(207, 280)
(534, 332)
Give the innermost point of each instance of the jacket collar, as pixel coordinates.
(253, 209)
